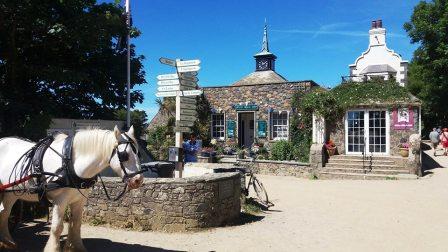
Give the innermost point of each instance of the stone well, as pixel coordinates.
(168, 204)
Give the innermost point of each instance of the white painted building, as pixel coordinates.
(378, 61)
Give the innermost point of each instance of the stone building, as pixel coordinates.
(378, 127)
(378, 61)
(258, 106)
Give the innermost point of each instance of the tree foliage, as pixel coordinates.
(63, 59)
(428, 75)
(138, 120)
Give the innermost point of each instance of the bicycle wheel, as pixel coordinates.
(262, 195)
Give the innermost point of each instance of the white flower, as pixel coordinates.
(213, 141)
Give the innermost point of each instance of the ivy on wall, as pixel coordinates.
(332, 104)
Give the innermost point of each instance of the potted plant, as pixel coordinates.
(404, 149)
(208, 152)
(240, 153)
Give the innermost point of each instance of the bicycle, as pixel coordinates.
(259, 189)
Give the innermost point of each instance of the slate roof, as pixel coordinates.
(378, 69)
(260, 77)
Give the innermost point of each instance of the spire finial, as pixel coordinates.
(265, 45)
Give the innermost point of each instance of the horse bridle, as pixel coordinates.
(123, 156)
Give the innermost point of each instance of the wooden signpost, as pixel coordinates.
(183, 86)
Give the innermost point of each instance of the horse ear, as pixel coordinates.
(117, 133)
(131, 131)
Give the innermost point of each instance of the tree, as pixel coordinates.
(428, 75)
(63, 59)
(138, 120)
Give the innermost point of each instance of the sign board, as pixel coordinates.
(231, 129)
(187, 106)
(189, 74)
(168, 82)
(167, 94)
(168, 88)
(184, 63)
(188, 100)
(243, 107)
(184, 123)
(192, 92)
(188, 69)
(262, 129)
(182, 129)
(188, 112)
(167, 76)
(403, 118)
(189, 78)
(166, 61)
(187, 118)
(188, 82)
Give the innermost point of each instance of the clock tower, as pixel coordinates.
(265, 60)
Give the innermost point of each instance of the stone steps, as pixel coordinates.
(357, 176)
(379, 158)
(366, 166)
(353, 167)
(366, 171)
(348, 160)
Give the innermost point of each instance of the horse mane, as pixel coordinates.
(94, 140)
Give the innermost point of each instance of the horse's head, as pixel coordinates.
(125, 161)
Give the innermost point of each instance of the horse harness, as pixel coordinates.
(65, 176)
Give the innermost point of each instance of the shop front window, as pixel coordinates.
(279, 125)
(218, 128)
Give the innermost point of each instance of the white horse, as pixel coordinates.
(92, 152)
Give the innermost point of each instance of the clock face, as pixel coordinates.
(263, 64)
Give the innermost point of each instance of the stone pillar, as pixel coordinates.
(317, 156)
(318, 129)
(414, 159)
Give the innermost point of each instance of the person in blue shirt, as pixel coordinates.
(191, 147)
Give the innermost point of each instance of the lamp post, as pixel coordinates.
(128, 82)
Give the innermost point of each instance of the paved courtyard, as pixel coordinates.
(309, 215)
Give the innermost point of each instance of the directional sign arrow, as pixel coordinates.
(167, 94)
(191, 92)
(184, 63)
(187, 106)
(166, 61)
(188, 100)
(188, 118)
(189, 74)
(168, 88)
(184, 123)
(188, 78)
(188, 69)
(188, 112)
(167, 76)
(182, 129)
(188, 82)
(168, 82)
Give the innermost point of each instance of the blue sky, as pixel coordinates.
(313, 40)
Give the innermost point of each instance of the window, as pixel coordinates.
(218, 128)
(279, 125)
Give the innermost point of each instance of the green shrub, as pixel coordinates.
(282, 150)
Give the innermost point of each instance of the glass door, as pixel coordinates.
(367, 131)
(377, 132)
(355, 132)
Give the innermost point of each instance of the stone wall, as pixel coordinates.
(279, 168)
(179, 204)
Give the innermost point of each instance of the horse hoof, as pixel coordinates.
(4, 245)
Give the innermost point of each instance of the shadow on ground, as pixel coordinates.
(428, 163)
(34, 236)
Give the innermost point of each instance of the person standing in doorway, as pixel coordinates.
(191, 148)
(444, 140)
(434, 137)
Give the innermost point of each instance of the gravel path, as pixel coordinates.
(309, 215)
